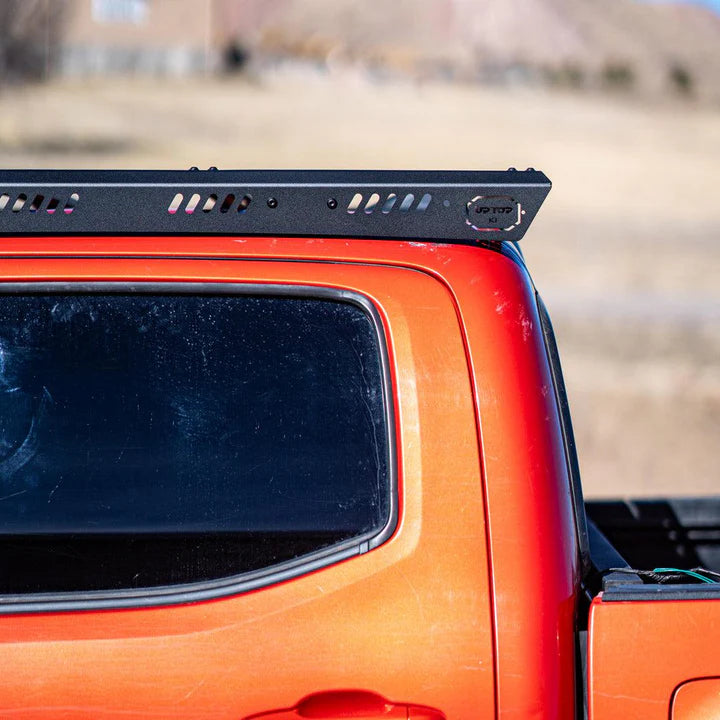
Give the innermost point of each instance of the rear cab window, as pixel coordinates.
(195, 434)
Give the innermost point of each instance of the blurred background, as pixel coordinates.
(618, 101)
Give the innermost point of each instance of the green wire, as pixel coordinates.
(686, 572)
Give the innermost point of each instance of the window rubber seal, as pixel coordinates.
(571, 458)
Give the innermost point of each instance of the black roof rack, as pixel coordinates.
(460, 207)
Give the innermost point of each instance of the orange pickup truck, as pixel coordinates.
(296, 445)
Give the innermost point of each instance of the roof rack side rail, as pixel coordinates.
(470, 207)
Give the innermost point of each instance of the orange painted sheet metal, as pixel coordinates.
(409, 621)
(531, 526)
(641, 654)
(697, 700)
(418, 611)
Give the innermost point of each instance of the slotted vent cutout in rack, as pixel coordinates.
(227, 203)
(192, 204)
(372, 202)
(354, 203)
(19, 202)
(387, 205)
(424, 202)
(197, 202)
(244, 203)
(175, 204)
(407, 202)
(71, 204)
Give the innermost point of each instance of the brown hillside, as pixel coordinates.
(625, 44)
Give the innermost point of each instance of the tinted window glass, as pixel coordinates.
(155, 439)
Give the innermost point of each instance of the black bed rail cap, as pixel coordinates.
(467, 207)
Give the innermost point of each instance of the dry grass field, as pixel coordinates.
(626, 251)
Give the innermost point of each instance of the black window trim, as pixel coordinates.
(245, 582)
(568, 436)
